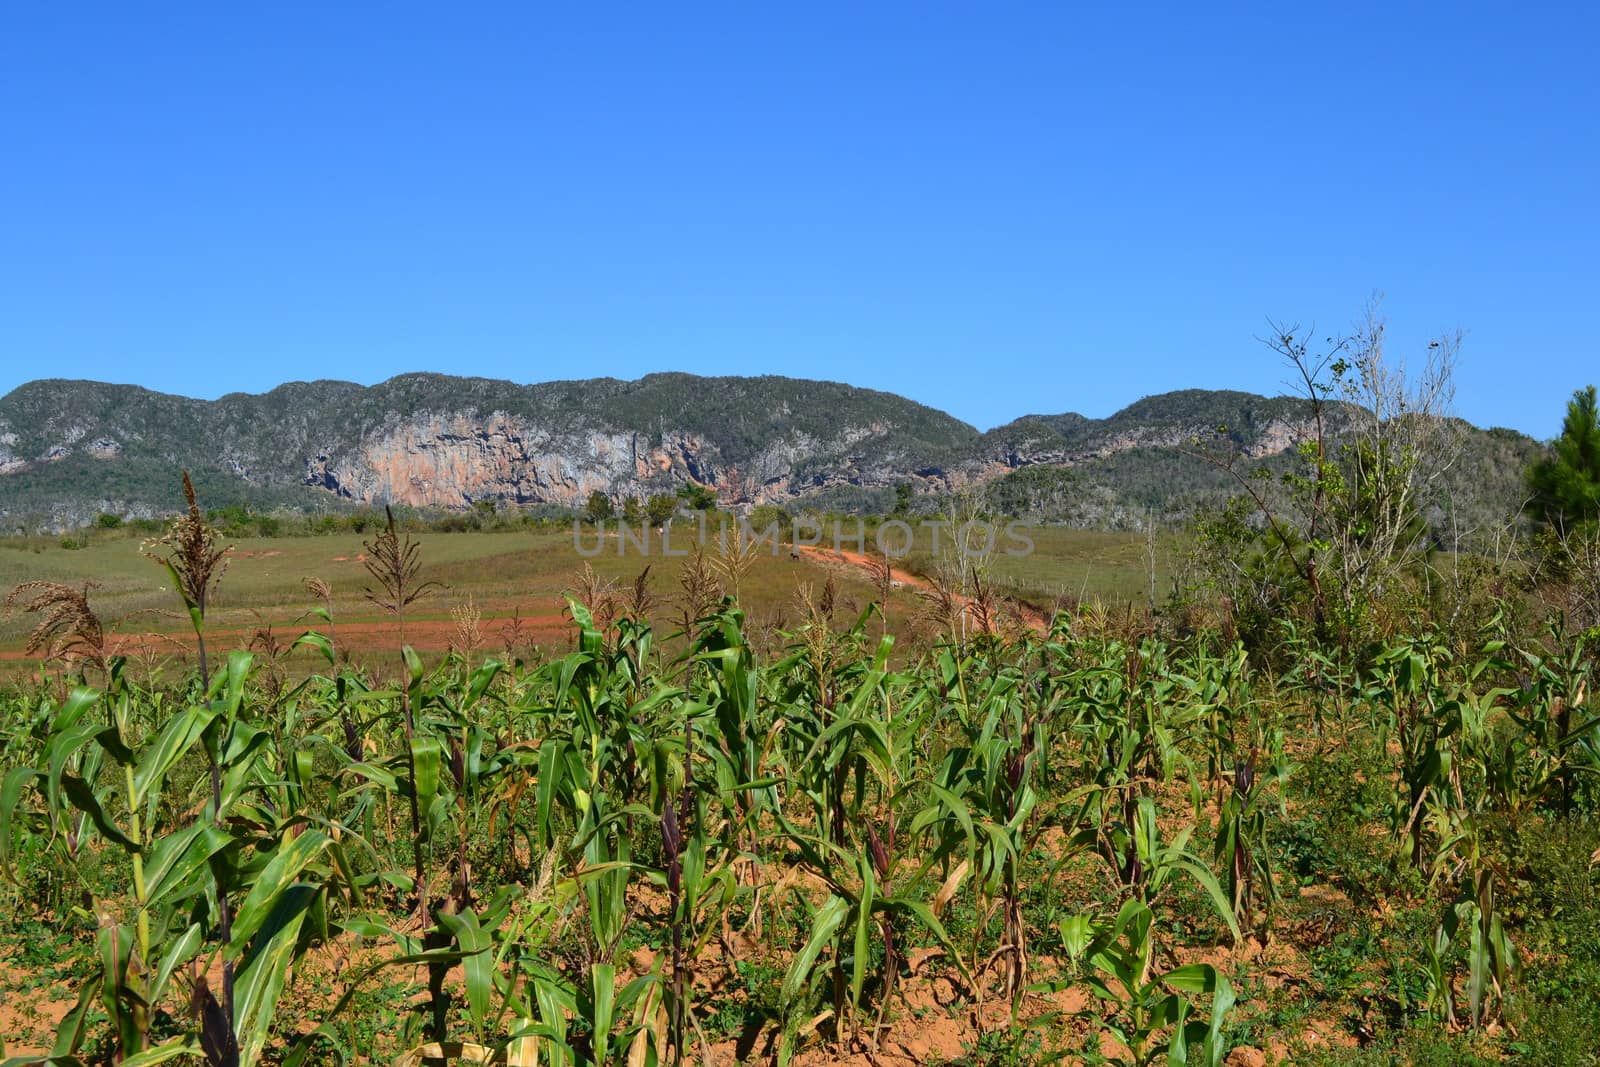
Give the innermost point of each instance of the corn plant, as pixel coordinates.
(987, 782)
(1553, 756)
(1473, 921)
(867, 896)
(181, 879)
(195, 562)
(1150, 1015)
(1244, 829)
(395, 563)
(851, 761)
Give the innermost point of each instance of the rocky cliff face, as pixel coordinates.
(451, 460)
(433, 460)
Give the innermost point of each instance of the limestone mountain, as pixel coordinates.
(1158, 457)
(72, 449)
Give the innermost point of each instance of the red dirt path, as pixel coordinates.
(1035, 619)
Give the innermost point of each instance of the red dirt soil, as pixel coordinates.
(1036, 620)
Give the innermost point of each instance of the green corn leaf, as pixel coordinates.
(238, 672)
(114, 946)
(174, 862)
(603, 979)
(863, 940)
(924, 915)
(261, 977)
(1208, 881)
(16, 780)
(413, 663)
(426, 757)
(302, 766)
(175, 739)
(60, 752)
(312, 639)
(1204, 978)
(72, 1029)
(110, 739)
(481, 679)
(84, 800)
(275, 880)
(478, 965)
(74, 708)
(959, 809)
(378, 776)
(179, 952)
(546, 787)
(167, 1050)
(824, 923)
(1076, 933)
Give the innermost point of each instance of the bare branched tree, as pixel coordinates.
(1151, 556)
(1377, 442)
(1403, 442)
(1568, 571)
(965, 556)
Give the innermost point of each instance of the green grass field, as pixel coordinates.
(523, 572)
(1067, 564)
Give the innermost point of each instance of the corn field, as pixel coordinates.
(1093, 843)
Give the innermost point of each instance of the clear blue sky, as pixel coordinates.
(992, 208)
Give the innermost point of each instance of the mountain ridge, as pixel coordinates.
(70, 448)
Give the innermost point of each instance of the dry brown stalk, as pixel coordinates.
(468, 636)
(982, 605)
(266, 642)
(394, 562)
(698, 592)
(68, 629)
(323, 592)
(882, 576)
(516, 637)
(941, 605)
(640, 599)
(598, 596)
(734, 559)
(192, 551)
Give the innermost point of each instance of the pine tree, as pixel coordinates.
(1566, 483)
